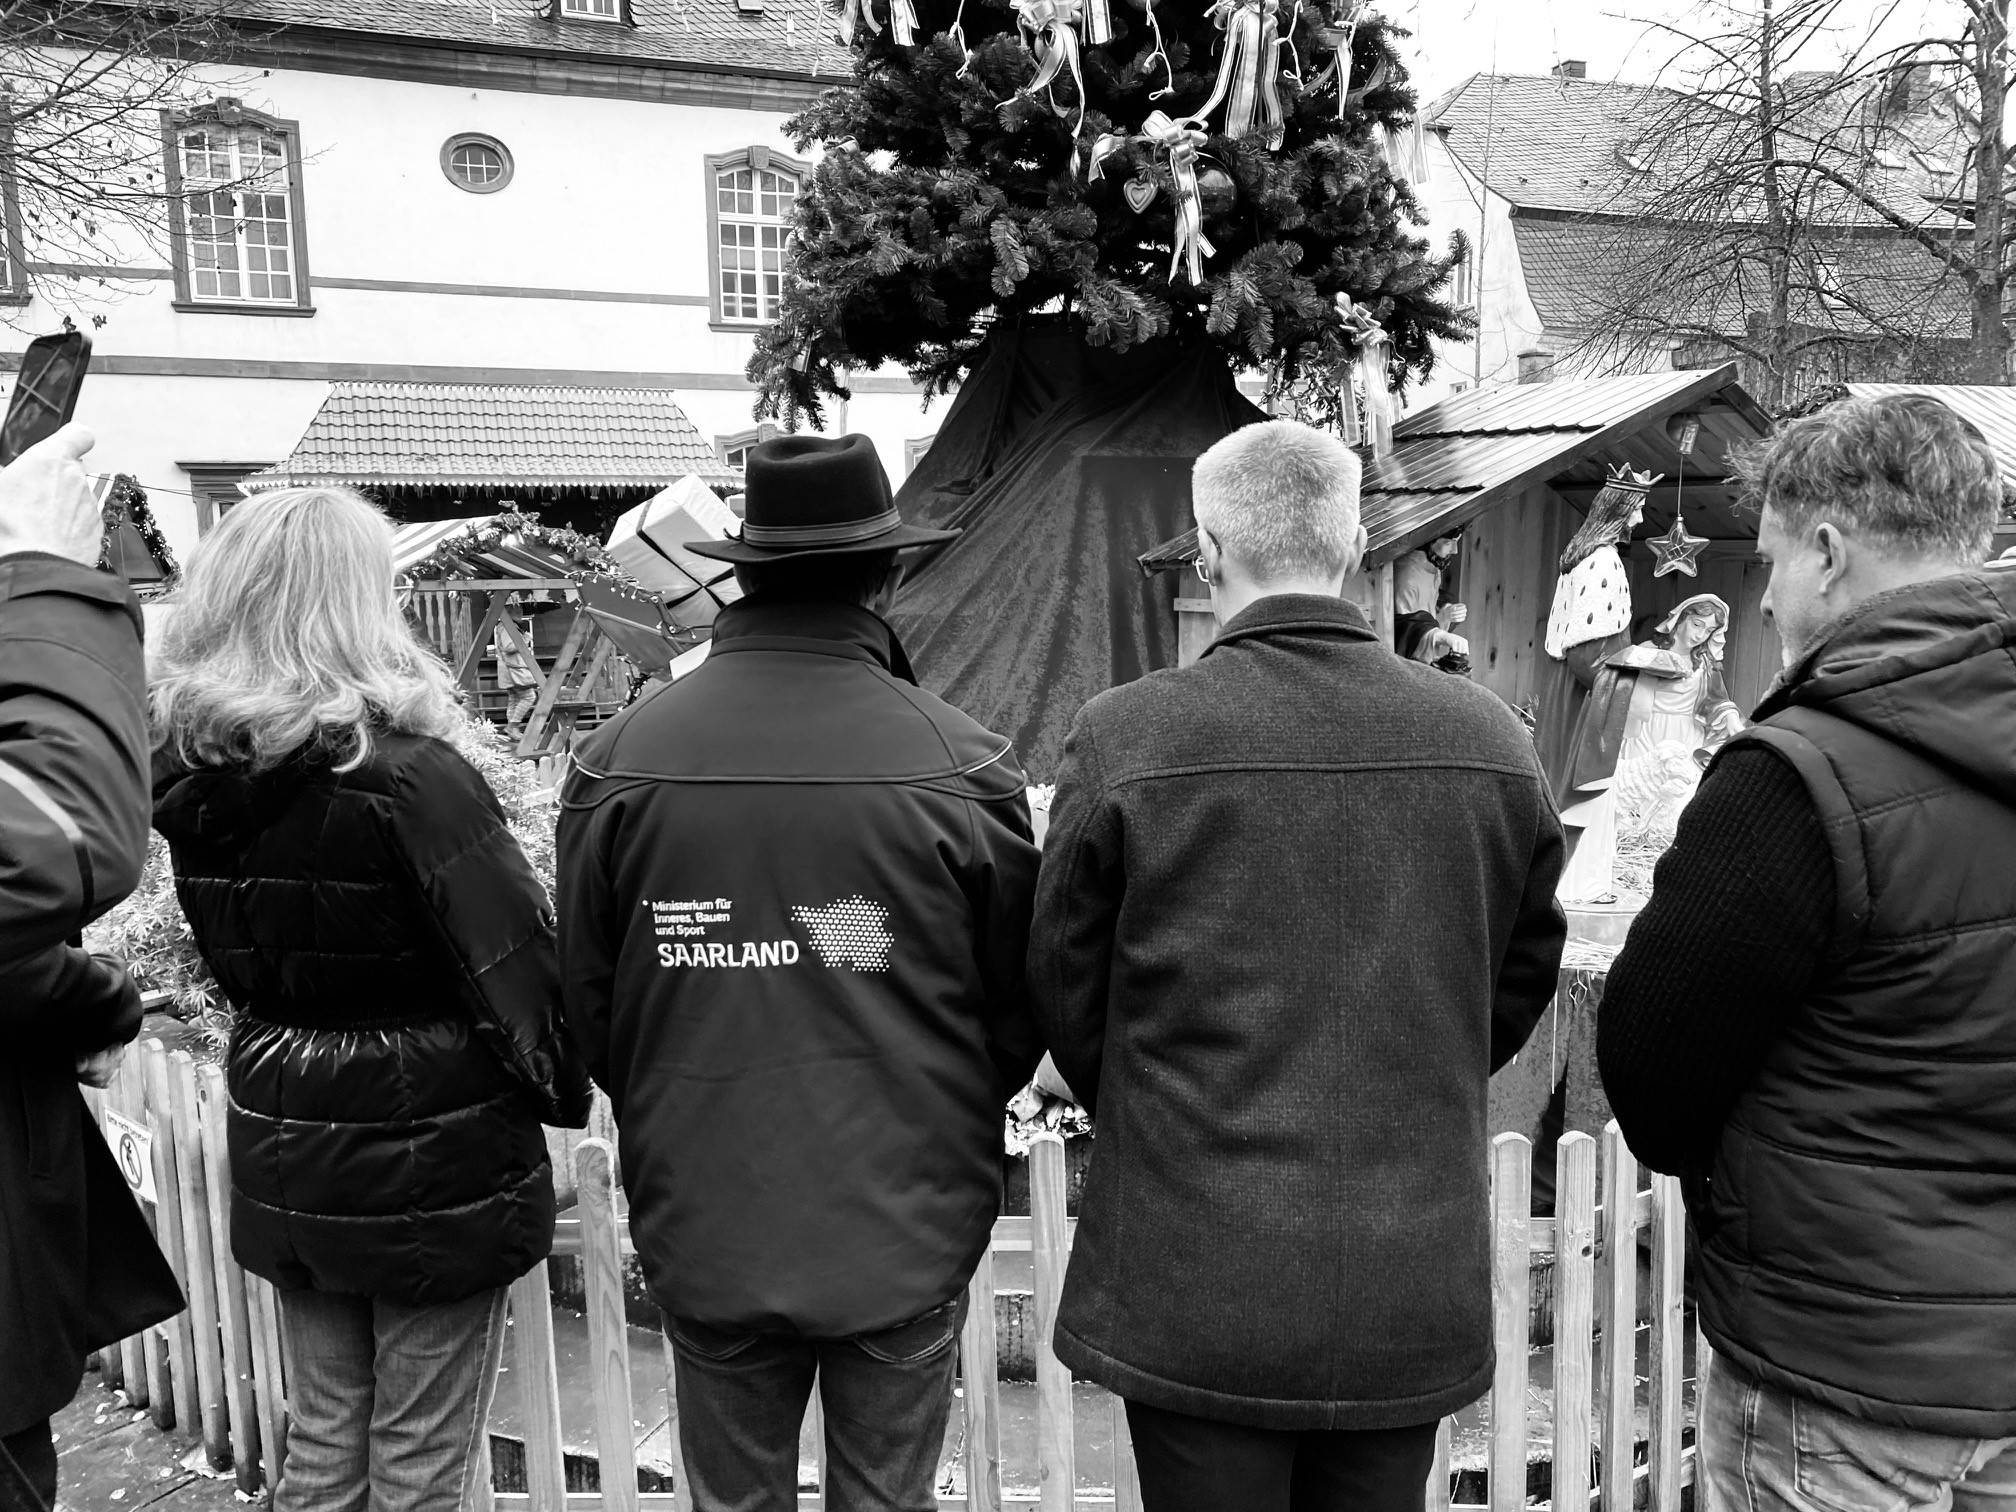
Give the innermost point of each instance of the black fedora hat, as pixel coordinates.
(811, 496)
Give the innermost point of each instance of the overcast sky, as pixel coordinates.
(1618, 39)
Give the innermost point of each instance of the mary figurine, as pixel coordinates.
(1637, 705)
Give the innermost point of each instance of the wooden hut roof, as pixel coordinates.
(1454, 460)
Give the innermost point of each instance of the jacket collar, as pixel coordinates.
(813, 627)
(1295, 614)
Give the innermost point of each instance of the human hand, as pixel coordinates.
(46, 500)
(1457, 614)
(99, 1067)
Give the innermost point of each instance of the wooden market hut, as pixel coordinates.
(1513, 469)
(592, 628)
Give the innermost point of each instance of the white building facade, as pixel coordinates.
(454, 194)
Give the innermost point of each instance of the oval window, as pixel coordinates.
(479, 164)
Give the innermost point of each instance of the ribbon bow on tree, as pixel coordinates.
(1182, 141)
(857, 13)
(1050, 24)
(1247, 84)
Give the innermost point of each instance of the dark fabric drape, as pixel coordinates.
(1061, 463)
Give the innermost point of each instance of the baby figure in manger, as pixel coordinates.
(1641, 720)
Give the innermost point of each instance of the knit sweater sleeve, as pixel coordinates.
(1728, 947)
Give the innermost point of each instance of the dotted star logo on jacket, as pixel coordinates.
(852, 933)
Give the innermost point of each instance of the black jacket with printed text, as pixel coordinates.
(795, 893)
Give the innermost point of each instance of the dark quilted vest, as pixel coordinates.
(1859, 1238)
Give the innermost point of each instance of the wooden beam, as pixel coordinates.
(533, 741)
(465, 675)
(487, 585)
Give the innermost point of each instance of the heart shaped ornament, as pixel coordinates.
(1139, 193)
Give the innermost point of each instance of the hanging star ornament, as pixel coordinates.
(1677, 551)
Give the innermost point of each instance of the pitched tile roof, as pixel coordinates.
(1592, 147)
(474, 435)
(787, 39)
(1584, 271)
(1545, 142)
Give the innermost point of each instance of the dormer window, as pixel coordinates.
(592, 10)
(1828, 279)
(1634, 161)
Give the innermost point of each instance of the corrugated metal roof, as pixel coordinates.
(1454, 460)
(1993, 411)
(474, 435)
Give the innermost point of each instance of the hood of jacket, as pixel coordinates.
(224, 806)
(1931, 666)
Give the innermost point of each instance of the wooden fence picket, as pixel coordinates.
(608, 1343)
(199, 1264)
(1440, 1493)
(1511, 1287)
(980, 1373)
(241, 1403)
(1126, 1474)
(135, 1363)
(538, 1366)
(1574, 1320)
(1620, 1319)
(1669, 1331)
(1056, 1456)
(174, 1398)
(269, 1374)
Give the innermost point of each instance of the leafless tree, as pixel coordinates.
(1795, 215)
(83, 85)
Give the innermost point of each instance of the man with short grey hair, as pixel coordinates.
(1297, 903)
(1813, 1023)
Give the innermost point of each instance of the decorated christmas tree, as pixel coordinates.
(1085, 216)
(1152, 168)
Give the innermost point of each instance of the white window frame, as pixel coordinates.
(274, 177)
(592, 10)
(756, 161)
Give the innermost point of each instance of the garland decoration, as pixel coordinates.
(126, 503)
(583, 556)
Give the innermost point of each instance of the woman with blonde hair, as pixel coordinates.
(389, 959)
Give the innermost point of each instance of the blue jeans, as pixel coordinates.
(388, 1406)
(1767, 1450)
(886, 1396)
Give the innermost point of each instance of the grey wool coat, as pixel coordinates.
(1296, 904)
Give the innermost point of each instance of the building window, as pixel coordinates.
(481, 164)
(1463, 282)
(1827, 280)
(591, 10)
(734, 450)
(913, 452)
(750, 199)
(234, 180)
(214, 485)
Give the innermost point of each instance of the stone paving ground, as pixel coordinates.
(113, 1459)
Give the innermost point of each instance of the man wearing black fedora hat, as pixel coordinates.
(795, 896)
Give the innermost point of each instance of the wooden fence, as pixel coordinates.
(217, 1370)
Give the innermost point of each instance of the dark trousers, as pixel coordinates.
(28, 1469)
(1192, 1464)
(885, 1395)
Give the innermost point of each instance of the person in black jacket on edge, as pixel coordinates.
(795, 894)
(1813, 1022)
(1297, 904)
(78, 1265)
(389, 957)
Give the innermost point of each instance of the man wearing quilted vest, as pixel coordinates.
(1814, 1020)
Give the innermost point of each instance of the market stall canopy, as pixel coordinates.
(1454, 460)
(466, 435)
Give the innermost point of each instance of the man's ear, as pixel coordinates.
(1358, 548)
(1834, 549)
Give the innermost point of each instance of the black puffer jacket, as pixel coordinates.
(390, 956)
